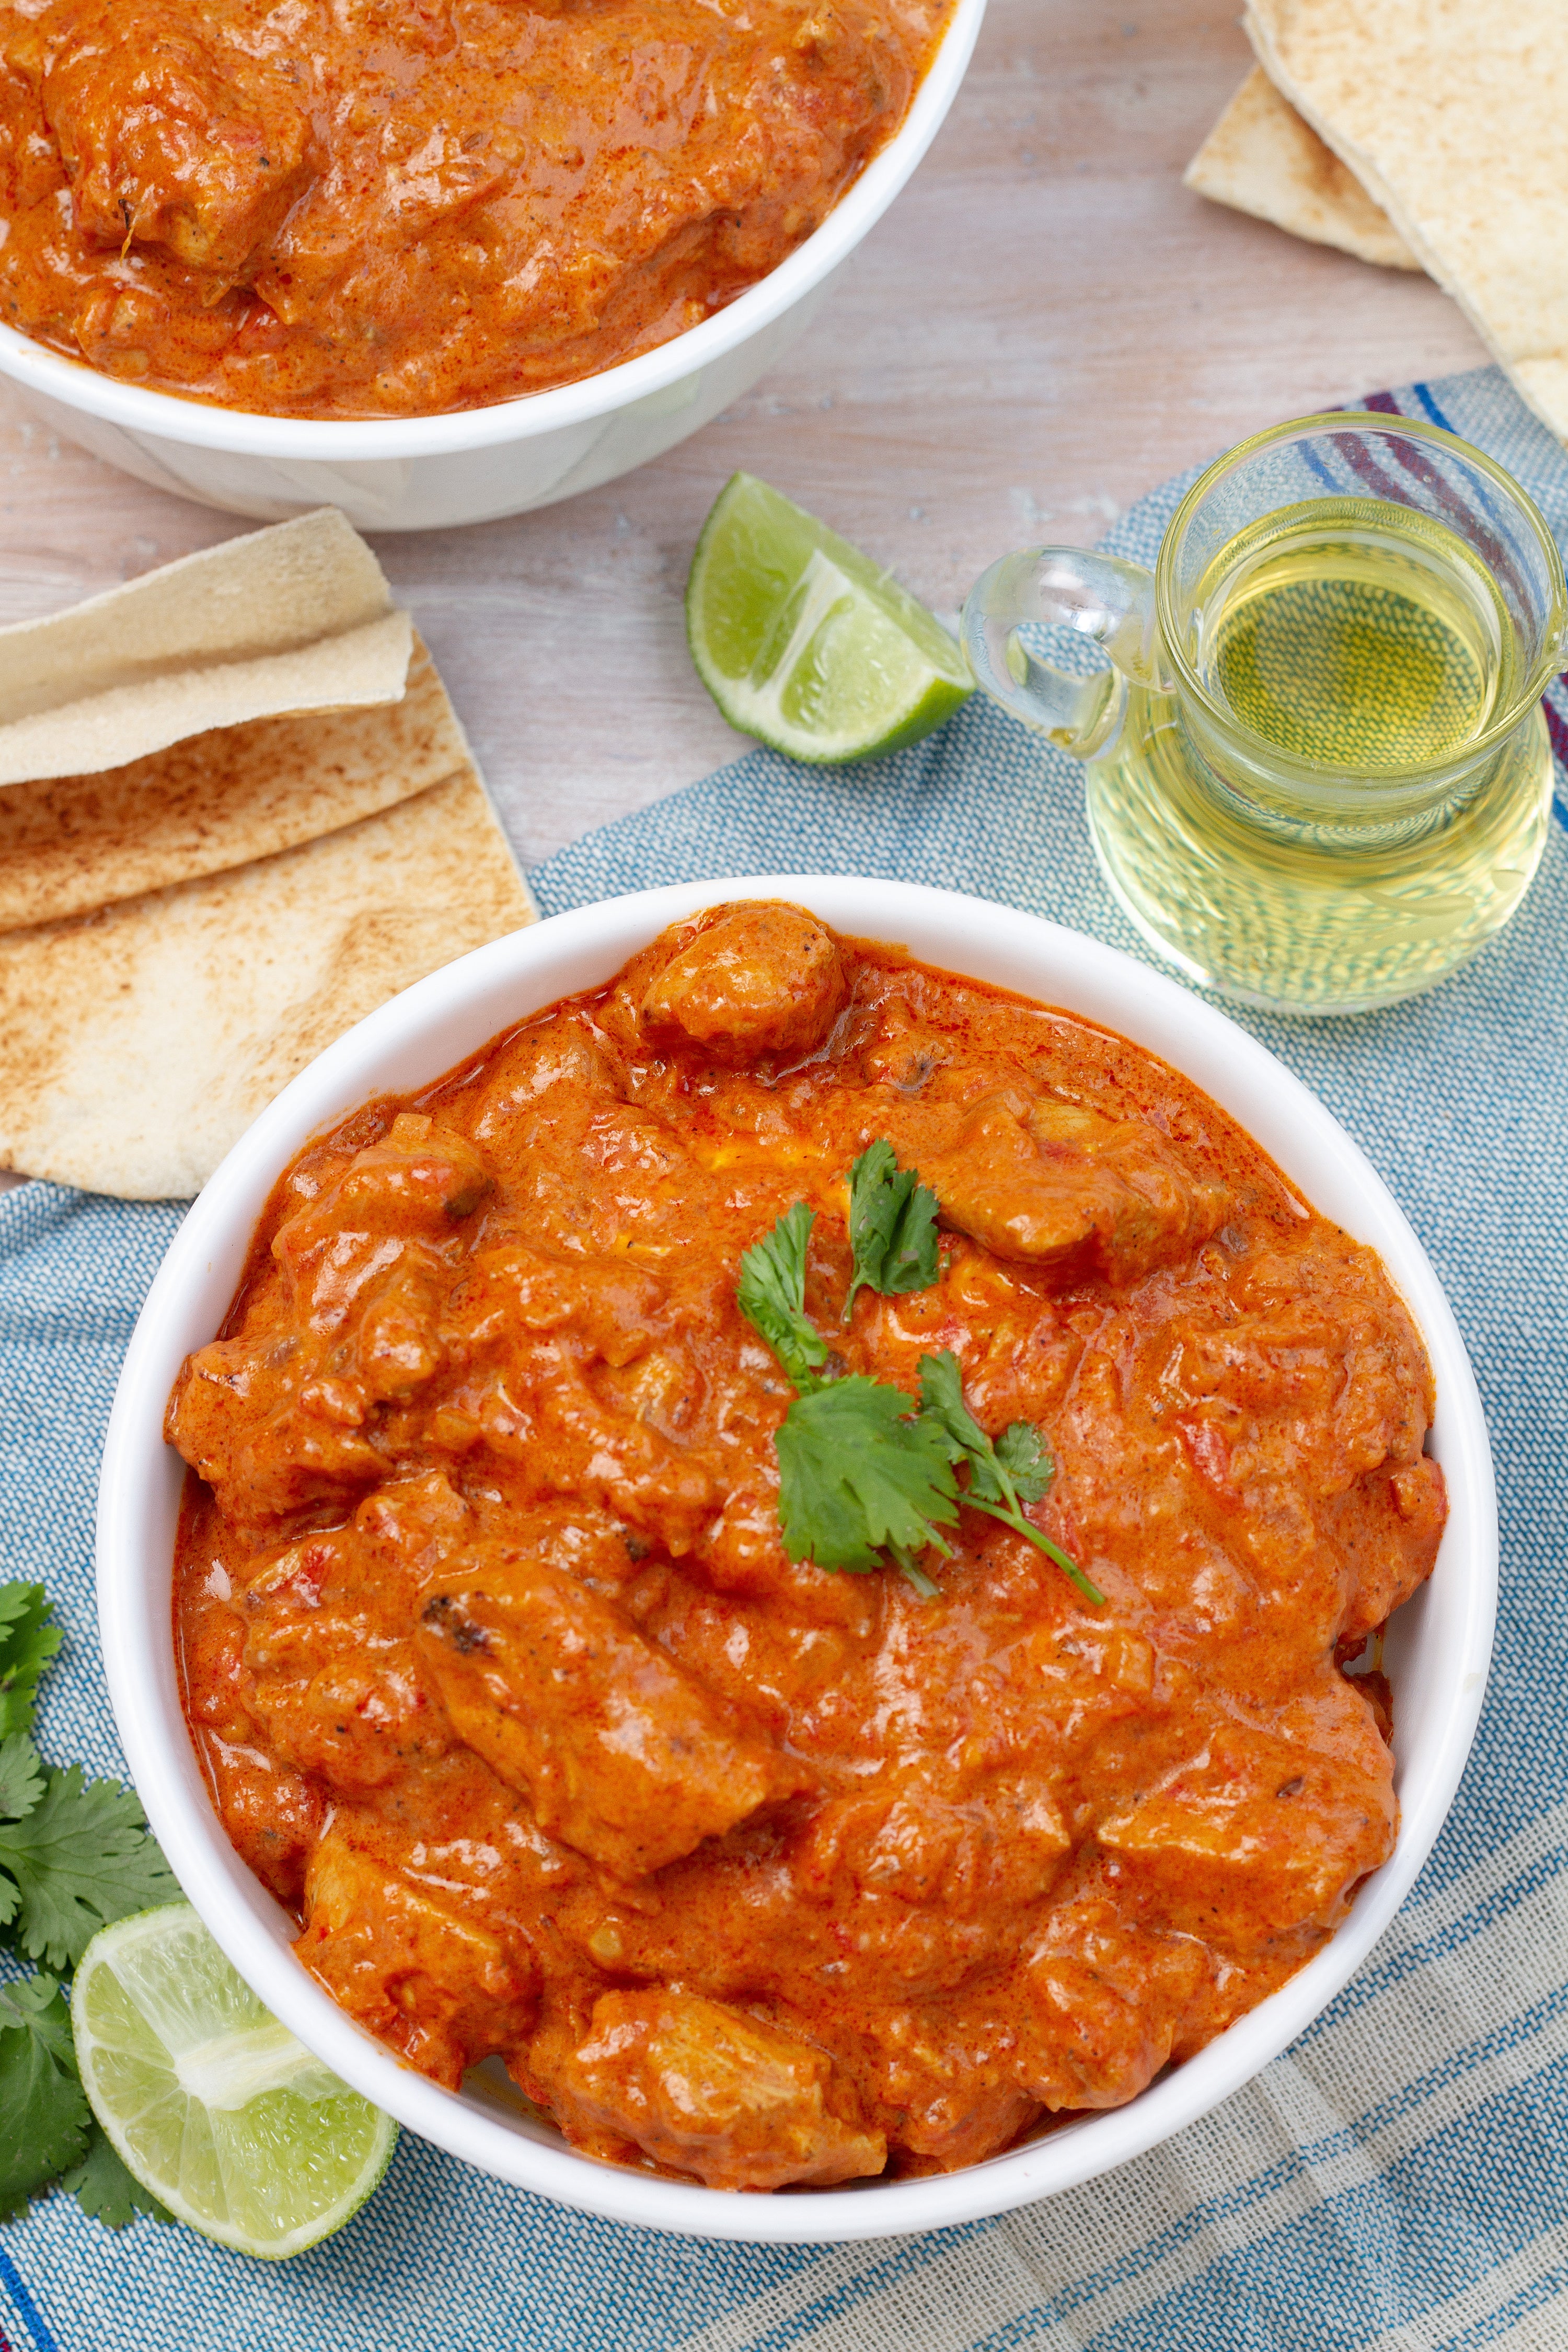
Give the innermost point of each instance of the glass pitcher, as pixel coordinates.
(1318, 774)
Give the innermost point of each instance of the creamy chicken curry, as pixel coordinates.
(396, 207)
(754, 1869)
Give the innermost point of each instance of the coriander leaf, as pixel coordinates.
(1015, 1468)
(21, 1777)
(1022, 1456)
(859, 1476)
(81, 1858)
(893, 1225)
(28, 1641)
(43, 2114)
(772, 1296)
(105, 2190)
(941, 1400)
(998, 1474)
(21, 1786)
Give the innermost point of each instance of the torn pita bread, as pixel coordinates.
(1451, 114)
(137, 1043)
(291, 829)
(220, 798)
(1261, 158)
(295, 617)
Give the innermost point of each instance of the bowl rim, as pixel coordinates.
(414, 1038)
(355, 440)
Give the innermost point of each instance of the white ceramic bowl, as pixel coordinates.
(425, 472)
(1436, 1656)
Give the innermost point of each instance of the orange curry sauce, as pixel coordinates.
(503, 1680)
(395, 207)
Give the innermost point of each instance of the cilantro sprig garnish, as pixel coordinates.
(858, 1478)
(29, 1639)
(43, 2114)
(80, 1857)
(772, 1296)
(1004, 1473)
(867, 1474)
(74, 1854)
(49, 2134)
(892, 1226)
(21, 1786)
(861, 1474)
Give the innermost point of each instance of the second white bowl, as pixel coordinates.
(423, 473)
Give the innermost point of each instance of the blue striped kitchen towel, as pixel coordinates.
(1399, 2178)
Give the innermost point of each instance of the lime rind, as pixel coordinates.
(211, 2103)
(807, 644)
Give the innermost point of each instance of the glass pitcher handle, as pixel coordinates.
(1104, 599)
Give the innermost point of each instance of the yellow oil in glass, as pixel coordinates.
(1351, 650)
(1354, 635)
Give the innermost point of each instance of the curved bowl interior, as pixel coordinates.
(1437, 1656)
(362, 464)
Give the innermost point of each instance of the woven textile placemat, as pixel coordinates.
(1399, 2178)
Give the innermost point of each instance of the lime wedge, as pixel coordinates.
(805, 643)
(209, 2102)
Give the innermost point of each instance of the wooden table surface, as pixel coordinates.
(1044, 325)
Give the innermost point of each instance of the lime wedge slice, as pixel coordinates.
(209, 2102)
(805, 643)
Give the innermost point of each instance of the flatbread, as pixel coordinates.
(1451, 114)
(238, 812)
(70, 843)
(137, 1043)
(295, 617)
(1261, 158)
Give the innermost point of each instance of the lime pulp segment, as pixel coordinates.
(208, 2100)
(807, 644)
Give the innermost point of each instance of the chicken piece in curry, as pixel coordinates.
(505, 1679)
(397, 207)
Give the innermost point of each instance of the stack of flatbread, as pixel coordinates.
(1423, 135)
(236, 814)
